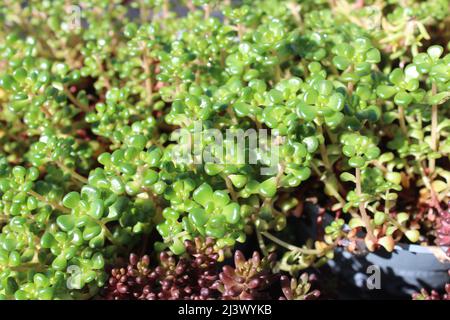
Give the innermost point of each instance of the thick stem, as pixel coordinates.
(362, 208)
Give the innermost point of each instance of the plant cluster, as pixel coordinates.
(188, 278)
(96, 100)
(443, 232)
(196, 276)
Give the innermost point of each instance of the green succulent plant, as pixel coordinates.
(99, 101)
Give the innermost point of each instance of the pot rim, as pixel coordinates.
(415, 248)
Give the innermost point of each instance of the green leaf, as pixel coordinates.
(373, 56)
(325, 87)
(91, 231)
(439, 98)
(306, 112)
(268, 188)
(355, 223)
(356, 162)
(232, 213)
(341, 63)
(402, 98)
(385, 92)
(238, 180)
(336, 102)
(198, 217)
(402, 217)
(394, 177)
(349, 150)
(312, 143)
(379, 218)
(60, 263)
(412, 235)
(242, 109)
(334, 120)
(220, 198)
(387, 242)
(71, 200)
(203, 194)
(96, 209)
(348, 177)
(65, 222)
(435, 52)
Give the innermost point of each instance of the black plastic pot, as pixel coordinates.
(402, 272)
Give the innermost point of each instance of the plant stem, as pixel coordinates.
(401, 118)
(362, 209)
(434, 130)
(326, 160)
(395, 222)
(289, 246)
(330, 187)
(72, 172)
(166, 9)
(148, 79)
(75, 101)
(207, 11)
(50, 203)
(230, 188)
(323, 151)
(35, 266)
(103, 71)
(108, 234)
(142, 13)
(261, 243)
(428, 184)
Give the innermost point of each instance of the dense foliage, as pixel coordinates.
(94, 98)
(197, 277)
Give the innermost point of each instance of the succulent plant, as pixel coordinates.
(186, 278)
(196, 276)
(443, 232)
(99, 101)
